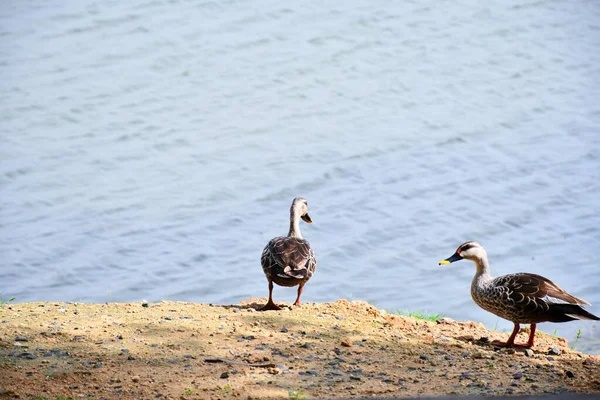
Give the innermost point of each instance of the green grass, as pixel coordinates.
(298, 395)
(420, 315)
(4, 302)
(225, 388)
(187, 392)
(577, 337)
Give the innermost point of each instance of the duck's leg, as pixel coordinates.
(531, 337)
(270, 305)
(300, 287)
(529, 342)
(511, 339)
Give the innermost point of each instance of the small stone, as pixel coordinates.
(120, 337)
(236, 310)
(145, 304)
(284, 329)
(310, 372)
(515, 383)
(97, 365)
(274, 371)
(224, 375)
(570, 374)
(306, 346)
(518, 375)
(449, 358)
(135, 378)
(21, 339)
(554, 351)
(356, 378)
(445, 320)
(346, 343)
(423, 357)
(464, 375)
(529, 353)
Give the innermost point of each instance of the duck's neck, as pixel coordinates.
(483, 274)
(294, 225)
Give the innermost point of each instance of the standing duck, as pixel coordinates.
(289, 260)
(521, 298)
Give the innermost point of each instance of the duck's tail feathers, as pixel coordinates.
(569, 312)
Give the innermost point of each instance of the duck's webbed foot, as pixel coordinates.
(270, 306)
(498, 343)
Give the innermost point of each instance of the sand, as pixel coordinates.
(180, 350)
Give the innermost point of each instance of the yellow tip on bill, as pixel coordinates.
(444, 262)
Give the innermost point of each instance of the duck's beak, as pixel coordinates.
(306, 218)
(455, 257)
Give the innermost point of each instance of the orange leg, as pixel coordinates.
(513, 335)
(270, 305)
(297, 303)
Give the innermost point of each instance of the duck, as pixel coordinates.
(289, 260)
(522, 298)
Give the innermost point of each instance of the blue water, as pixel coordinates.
(150, 149)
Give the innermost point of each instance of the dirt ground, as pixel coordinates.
(179, 350)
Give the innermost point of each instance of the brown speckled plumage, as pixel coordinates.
(288, 261)
(522, 298)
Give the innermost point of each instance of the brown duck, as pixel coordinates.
(289, 260)
(521, 298)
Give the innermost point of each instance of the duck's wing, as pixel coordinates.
(529, 288)
(289, 257)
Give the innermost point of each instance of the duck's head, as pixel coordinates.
(469, 250)
(300, 208)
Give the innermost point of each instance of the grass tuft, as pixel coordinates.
(4, 302)
(420, 315)
(298, 395)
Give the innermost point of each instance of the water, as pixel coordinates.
(150, 149)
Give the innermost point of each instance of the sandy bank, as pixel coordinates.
(346, 349)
